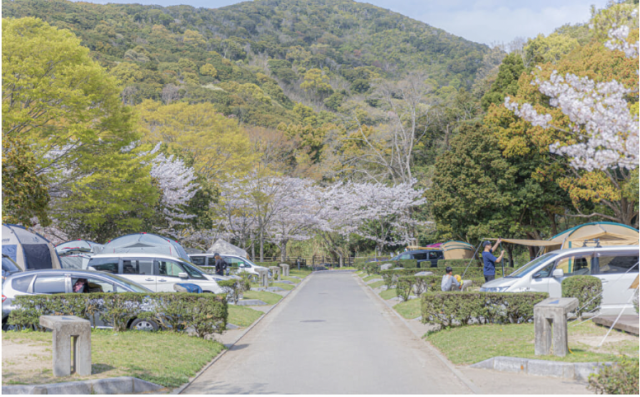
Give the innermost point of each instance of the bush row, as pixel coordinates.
(587, 289)
(459, 263)
(471, 273)
(176, 311)
(620, 378)
(407, 285)
(462, 308)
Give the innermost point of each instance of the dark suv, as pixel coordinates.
(431, 256)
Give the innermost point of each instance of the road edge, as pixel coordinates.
(467, 382)
(180, 389)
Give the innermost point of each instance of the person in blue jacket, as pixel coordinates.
(490, 260)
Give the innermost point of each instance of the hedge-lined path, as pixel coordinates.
(330, 336)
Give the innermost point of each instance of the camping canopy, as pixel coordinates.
(29, 250)
(145, 243)
(457, 250)
(224, 248)
(75, 261)
(94, 248)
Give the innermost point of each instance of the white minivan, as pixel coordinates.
(616, 266)
(157, 272)
(207, 260)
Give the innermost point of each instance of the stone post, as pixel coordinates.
(263, 277)
(550, 325)
(64, 329)
(285, 269)
(275, 270)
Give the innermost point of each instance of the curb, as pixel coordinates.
(180, 389)
(557, 369)
(472, 387)
(119, 385)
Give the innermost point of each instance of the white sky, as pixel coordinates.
(482, 21)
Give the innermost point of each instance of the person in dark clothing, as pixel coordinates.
(490, 260)
(220, 265)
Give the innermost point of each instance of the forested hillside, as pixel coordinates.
(242, 57)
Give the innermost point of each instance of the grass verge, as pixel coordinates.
(267, 297)
(371, 277)
(302, 273)
(284, 286)
(409, 309)
(475, 343)
(157, 357)
(292, 279)
(388, 294)
(376, 284)
(242, 316)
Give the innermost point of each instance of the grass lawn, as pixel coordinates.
(376, 284)
(242, 316)
(284, 286)
(267, 297)
(371, 277)
(165, 358)
(388, 294)
(409, 309)
(292, 279)
(471, 344)
(302, 273)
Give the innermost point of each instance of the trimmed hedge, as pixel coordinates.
(421, 284)
(176, 311)
(449, 308)
(459, 263)
(587, 289)
(234, 288)
(621, 378)
(472, 273)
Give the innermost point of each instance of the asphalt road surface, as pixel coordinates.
(329, 336)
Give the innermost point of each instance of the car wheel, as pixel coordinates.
(140, 324)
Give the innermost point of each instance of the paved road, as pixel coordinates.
(329, 336)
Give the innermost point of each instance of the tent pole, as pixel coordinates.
(502, 261)
(474, 257)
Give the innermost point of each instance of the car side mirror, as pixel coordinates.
(183, 275)
(537, 275)
(557, 273)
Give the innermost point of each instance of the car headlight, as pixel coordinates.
(494, 289)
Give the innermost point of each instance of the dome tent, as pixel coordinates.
(457, 250)
(29, 250)
(145, 243)
(225, 248)
(79, 245)
(607, 233)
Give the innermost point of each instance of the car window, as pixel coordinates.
(575, 265)
(405, 256)
(108, 265)
(234, 262)
(21, 283)
(198, 260)
(420, 256)
(169, 268)
(544, 272)
(138, 266)
(193, 272)
(49, 285)
(90, 284)
(615, 264)
(433, 255)
(8, 266)
(531, 266)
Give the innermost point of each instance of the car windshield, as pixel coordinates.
(134, 287)
(8, 266)
(531, 266)
(249, 262)
(192, 270)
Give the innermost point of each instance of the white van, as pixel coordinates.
(157, 272)
(242, 264)
(616, 266)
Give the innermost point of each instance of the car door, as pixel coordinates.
(540, 279)
(92, 284)
(50, 284)
(571, 265)
(140, 270)
(235, 263)
(167, 272)
(616, 270)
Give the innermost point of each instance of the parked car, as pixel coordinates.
(428, 257)
(157, 272)
(59, 281)
(8, 267)
(616, 266)
(207, 260)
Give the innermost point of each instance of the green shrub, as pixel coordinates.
(372, 268)
(421, 284)
(587, 289)
(621, 378)
(235, 288)
(459, 263)
(206, 313)
(445, 308)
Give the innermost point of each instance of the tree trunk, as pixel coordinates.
(261, 245)
(283, 250)
(510, 253)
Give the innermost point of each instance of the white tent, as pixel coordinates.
(29, 250)
(140, 243)
(224, 248)
(80, 245)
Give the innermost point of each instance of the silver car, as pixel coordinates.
(615, 266)
(59, 281)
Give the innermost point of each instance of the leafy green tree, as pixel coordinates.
(548, 49)
(507, 81)
(316, 81)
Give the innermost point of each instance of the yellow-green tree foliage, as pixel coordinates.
(208, 70)
(316, 81)
(216, 143)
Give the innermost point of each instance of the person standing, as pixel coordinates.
(220, 265)
(490, 260)
(448, 281)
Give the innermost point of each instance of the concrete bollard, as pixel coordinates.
(275, 270)
(548, 314)
(263, 277)
(285, 269)
(64, 328)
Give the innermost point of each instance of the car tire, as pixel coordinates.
(142, 324)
